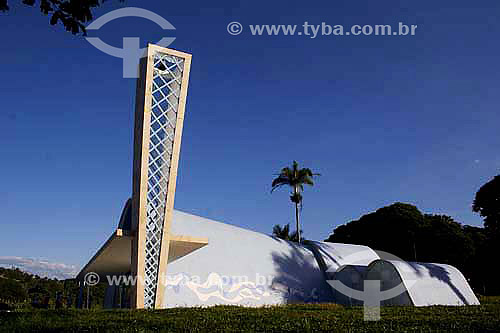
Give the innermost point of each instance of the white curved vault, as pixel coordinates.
(178, 259)
(425, 283)
(223, 264)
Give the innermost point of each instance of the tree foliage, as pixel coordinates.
(284, 233)
(392, 229)
(401, 229)
(18, 287)
(72, 14)
(295, 178)
(12, 290)
(487, 204)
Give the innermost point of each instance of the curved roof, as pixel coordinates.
(333, 256)
(432, 284)
(240, 266)
(207, 268)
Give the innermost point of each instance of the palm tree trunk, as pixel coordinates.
(297, 220)
(295, 192)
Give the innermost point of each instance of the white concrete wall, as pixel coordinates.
(345, 263)
(336, 255)
(435, 284)
(276, 271)
(242, 267)
(425, 283)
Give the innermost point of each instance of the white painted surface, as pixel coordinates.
(436, 284)
(241, 267)
(426, 283)
(336, 255)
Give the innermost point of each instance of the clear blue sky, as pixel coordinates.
(383, 119)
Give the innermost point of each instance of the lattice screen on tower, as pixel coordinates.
(166, 87)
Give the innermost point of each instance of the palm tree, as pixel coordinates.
(284, 233)
(295, 178)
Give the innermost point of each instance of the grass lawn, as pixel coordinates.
(320, 317)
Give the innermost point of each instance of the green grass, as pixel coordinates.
(320, 317)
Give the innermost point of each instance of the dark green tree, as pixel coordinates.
(401, 229)
(441, 239)
(72, 14)
(478, 267)
(12, 290)
(393, 229)
(487, 204)
(295, 178)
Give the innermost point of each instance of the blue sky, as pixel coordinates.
(382, 118)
